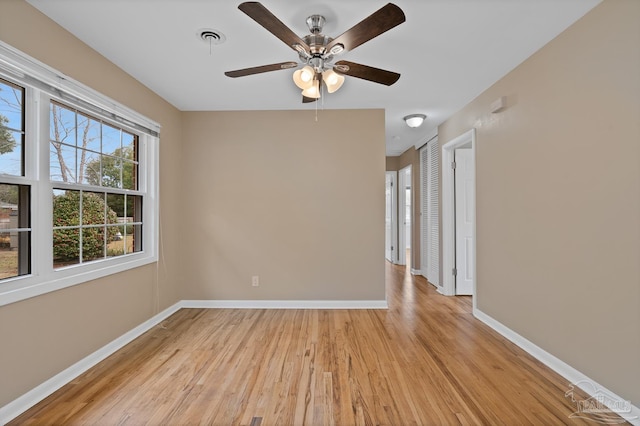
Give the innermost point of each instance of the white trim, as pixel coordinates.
(448, 213)
(416, 271)
(557, 365)
(402, 212)
(286, 304)
(40, 392)
(394, 216)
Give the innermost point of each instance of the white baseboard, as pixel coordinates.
(37, 394)
(577, 378)
(416, 271)
(286, 304)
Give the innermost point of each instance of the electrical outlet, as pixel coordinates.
(255, 281)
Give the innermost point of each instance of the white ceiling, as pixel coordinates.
(447, 51)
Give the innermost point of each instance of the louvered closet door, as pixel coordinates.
(430, 224)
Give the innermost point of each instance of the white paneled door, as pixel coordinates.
(390, 217)
(464, 196)
(430, 222)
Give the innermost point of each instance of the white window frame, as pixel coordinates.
(43, 84)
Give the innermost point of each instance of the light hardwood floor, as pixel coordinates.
(425, 360)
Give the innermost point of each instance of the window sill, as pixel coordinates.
(26, 287)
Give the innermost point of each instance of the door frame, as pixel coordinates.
(394, 217)
(402, 211)
(448, 212)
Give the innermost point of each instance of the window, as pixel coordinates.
(104, 219)
(15, 235)
(78, 182)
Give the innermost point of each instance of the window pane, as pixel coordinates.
(134, 208)
(66, 209)
(66, 242)
(93, 208)
(129, 142)
(134, 238)
(8, 256)
(11, 128)
(110, 139)
(116, 241)
(89, 165)
(11, 106)
(89, 133)
(10, 152)
(62, 163)
(129, 175)
(66, 247)
(9, 198)
(14, 253)
(115, 202)
(111, 171)
(62, 124)
(15, 241)
(92, 243)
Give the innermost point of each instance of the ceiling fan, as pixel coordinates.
(317, 51)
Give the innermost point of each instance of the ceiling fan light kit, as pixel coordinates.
(316, 51)
(414, 120)
(313, 91)
(332, 80)
(303, 78)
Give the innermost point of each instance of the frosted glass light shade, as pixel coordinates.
(332, 80)
(312, 91)
(414, 120)
(303, 78)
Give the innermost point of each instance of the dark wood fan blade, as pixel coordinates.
(379, 22)
(261, 69)
(306, 100)
(366, 72)
(268, 20)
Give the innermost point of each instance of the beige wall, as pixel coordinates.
(42, 336)
(391, 164)
(558, 197)
(276, 195)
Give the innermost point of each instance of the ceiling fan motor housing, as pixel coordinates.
(315, 23)
(317, 56)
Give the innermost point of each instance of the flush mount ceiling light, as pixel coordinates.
(414, 120)
(316, 51)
